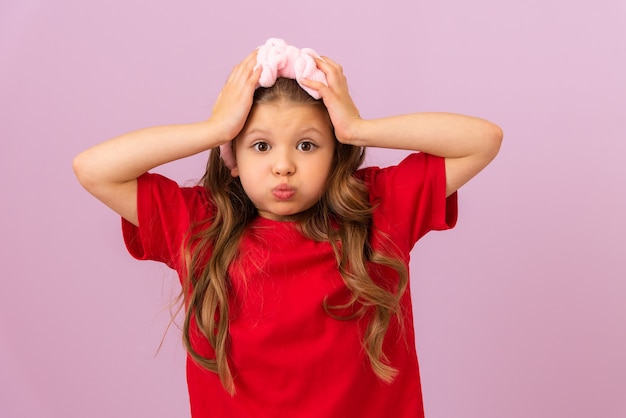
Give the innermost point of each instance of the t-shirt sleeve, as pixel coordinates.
(164, 212)
(411, 198)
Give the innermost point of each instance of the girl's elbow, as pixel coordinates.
(78, 166)
(81, 166)
(498, 134)
(494, 140)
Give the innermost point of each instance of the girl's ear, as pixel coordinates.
(234, 171)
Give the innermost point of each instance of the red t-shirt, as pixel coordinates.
(289, 358)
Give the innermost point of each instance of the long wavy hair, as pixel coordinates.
(342, 217)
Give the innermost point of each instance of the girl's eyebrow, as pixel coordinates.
(256, 131)
(303, 131)
(313, 129)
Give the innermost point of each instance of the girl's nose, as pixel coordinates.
(283, 165)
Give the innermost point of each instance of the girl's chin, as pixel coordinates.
(283, 216)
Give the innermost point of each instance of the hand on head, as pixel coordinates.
(344, 114)
(233, 104)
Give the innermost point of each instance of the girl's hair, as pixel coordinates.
(342, 217)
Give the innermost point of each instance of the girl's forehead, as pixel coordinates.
(284, 115)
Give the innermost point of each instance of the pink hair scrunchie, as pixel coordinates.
(278, 59)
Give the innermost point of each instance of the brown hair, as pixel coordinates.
(342, 217)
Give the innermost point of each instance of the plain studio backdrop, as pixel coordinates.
(520, 310)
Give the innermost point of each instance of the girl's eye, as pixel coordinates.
(261, 146)
(306, 146)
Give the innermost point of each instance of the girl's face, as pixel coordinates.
(284, 156)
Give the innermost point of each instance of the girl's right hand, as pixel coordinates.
(343, 113)
(233, 104)
(110, 170)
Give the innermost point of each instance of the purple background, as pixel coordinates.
(520, 311)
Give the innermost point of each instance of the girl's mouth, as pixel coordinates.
(283, 192)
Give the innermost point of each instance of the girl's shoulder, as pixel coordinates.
(409, 198)
(159, 193)
(415, 167)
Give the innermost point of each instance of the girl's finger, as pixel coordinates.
(256, 74)
(250, 59)
(320, 87)
(316, 85)
(244, 68)
(327, 60)
(326, 65)
(332, 70)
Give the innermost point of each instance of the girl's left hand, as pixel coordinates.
(344, 114)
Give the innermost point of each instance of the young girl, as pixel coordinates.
(293, 260)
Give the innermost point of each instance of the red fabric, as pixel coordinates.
(289, 357)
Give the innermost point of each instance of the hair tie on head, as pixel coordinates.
(281, 60)
(277, 60)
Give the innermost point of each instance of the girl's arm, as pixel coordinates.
(109, 170)
(468, 144)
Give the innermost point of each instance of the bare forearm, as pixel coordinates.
(444, 134)
(124, 158)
